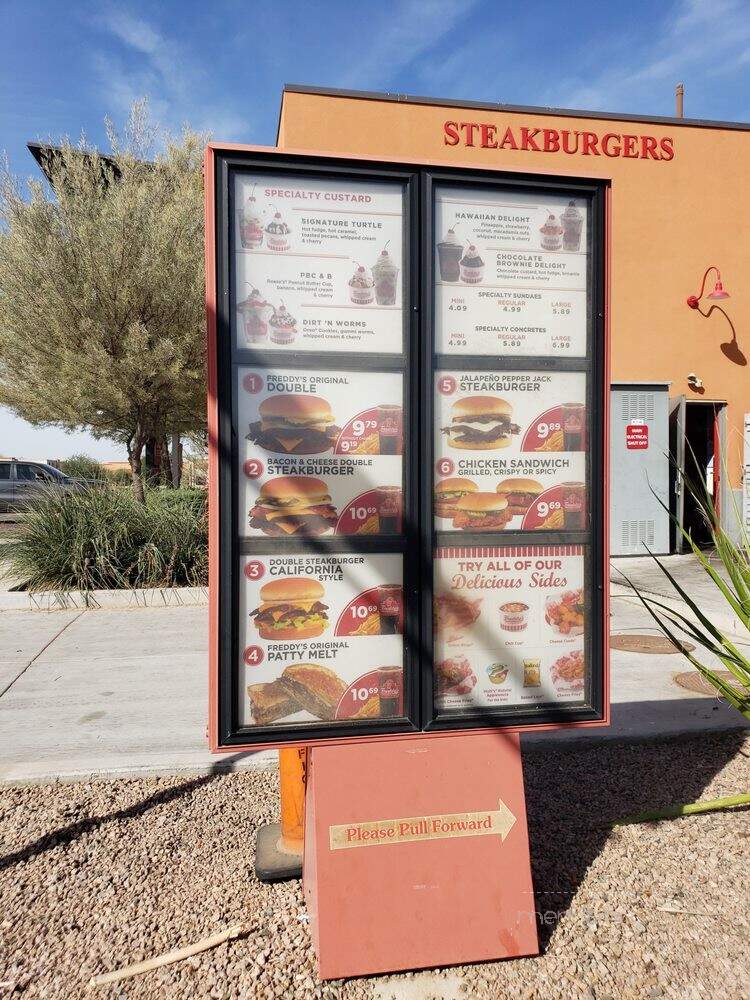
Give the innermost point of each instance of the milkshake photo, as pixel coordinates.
(385, 273)
(450, 251)
(251, 226)
(253, 311)
(572, 223)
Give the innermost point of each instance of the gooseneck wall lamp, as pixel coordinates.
(718, 292)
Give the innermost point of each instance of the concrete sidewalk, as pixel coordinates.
(124, 692)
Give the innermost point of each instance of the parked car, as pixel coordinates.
(21, 481)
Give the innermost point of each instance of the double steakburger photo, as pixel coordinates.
(520, 493)
(294, 424)
(481, 512)
(291, 608)
(481, 423)
(293, 505)
(448, 492)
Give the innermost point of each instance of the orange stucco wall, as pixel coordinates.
(670, 220)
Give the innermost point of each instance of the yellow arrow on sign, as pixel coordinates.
(376, 833)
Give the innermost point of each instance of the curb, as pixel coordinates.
(94, 600)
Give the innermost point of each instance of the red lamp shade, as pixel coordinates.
(718, 292)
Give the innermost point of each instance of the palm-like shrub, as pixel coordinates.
(102, 538)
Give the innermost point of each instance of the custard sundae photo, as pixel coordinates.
(277, 233)
(551, 234)
(294, 424)
(481, 423)
(253, 311)
(283, 326)
(471, 266)
(293, 505)
(385, 275)
(450, 251)
(362, 287)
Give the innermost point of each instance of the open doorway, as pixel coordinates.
(696, 435)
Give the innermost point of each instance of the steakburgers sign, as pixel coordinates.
(551, 140)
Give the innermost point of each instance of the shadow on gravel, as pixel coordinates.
(573, 793)
(67, 834)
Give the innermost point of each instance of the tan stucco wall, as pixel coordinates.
(670, 220)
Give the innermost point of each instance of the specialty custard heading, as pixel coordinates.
(552, 140)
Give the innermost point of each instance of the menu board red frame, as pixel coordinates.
(434, 682)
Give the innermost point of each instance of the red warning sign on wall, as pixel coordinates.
(636, 436)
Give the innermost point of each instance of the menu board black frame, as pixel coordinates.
(417, 363)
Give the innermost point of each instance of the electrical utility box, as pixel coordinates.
(639, 468)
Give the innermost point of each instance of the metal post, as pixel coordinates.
(679, 95)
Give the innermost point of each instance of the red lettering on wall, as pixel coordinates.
(509, 141)
(611, 144)
(527, 139)
(487, 134)
(590, 142)
(469, 130)
(450, 134)
(551, 140)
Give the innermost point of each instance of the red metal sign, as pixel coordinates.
(636, 437)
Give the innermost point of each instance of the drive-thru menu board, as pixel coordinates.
(409, 375)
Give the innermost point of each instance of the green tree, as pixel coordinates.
(101, 290)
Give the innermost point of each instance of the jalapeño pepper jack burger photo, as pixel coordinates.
(520, 493)
(294, 424)
(481, 512)
(481, 423)
(293, 505)
(448, 492)
(291, 608)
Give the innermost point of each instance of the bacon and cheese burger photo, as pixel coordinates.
(481, 512)
(291, 608)
(520, 494)
(294, 424)
(448, 492)
(293, 505)
(481, 423)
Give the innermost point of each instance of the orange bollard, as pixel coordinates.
(278, 846)
(292, 775)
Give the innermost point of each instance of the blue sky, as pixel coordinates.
(65, 64)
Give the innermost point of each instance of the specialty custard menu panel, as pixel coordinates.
(510, 273)
(318, 264)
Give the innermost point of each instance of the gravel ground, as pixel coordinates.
(98, 875)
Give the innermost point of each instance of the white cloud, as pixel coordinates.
(162, 70)
(694, 38)
(403, 32)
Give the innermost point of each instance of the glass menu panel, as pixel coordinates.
(321, 638)
(320, 453)
(510, 451)
(509, 627)
(318, 264)
(510, 272)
